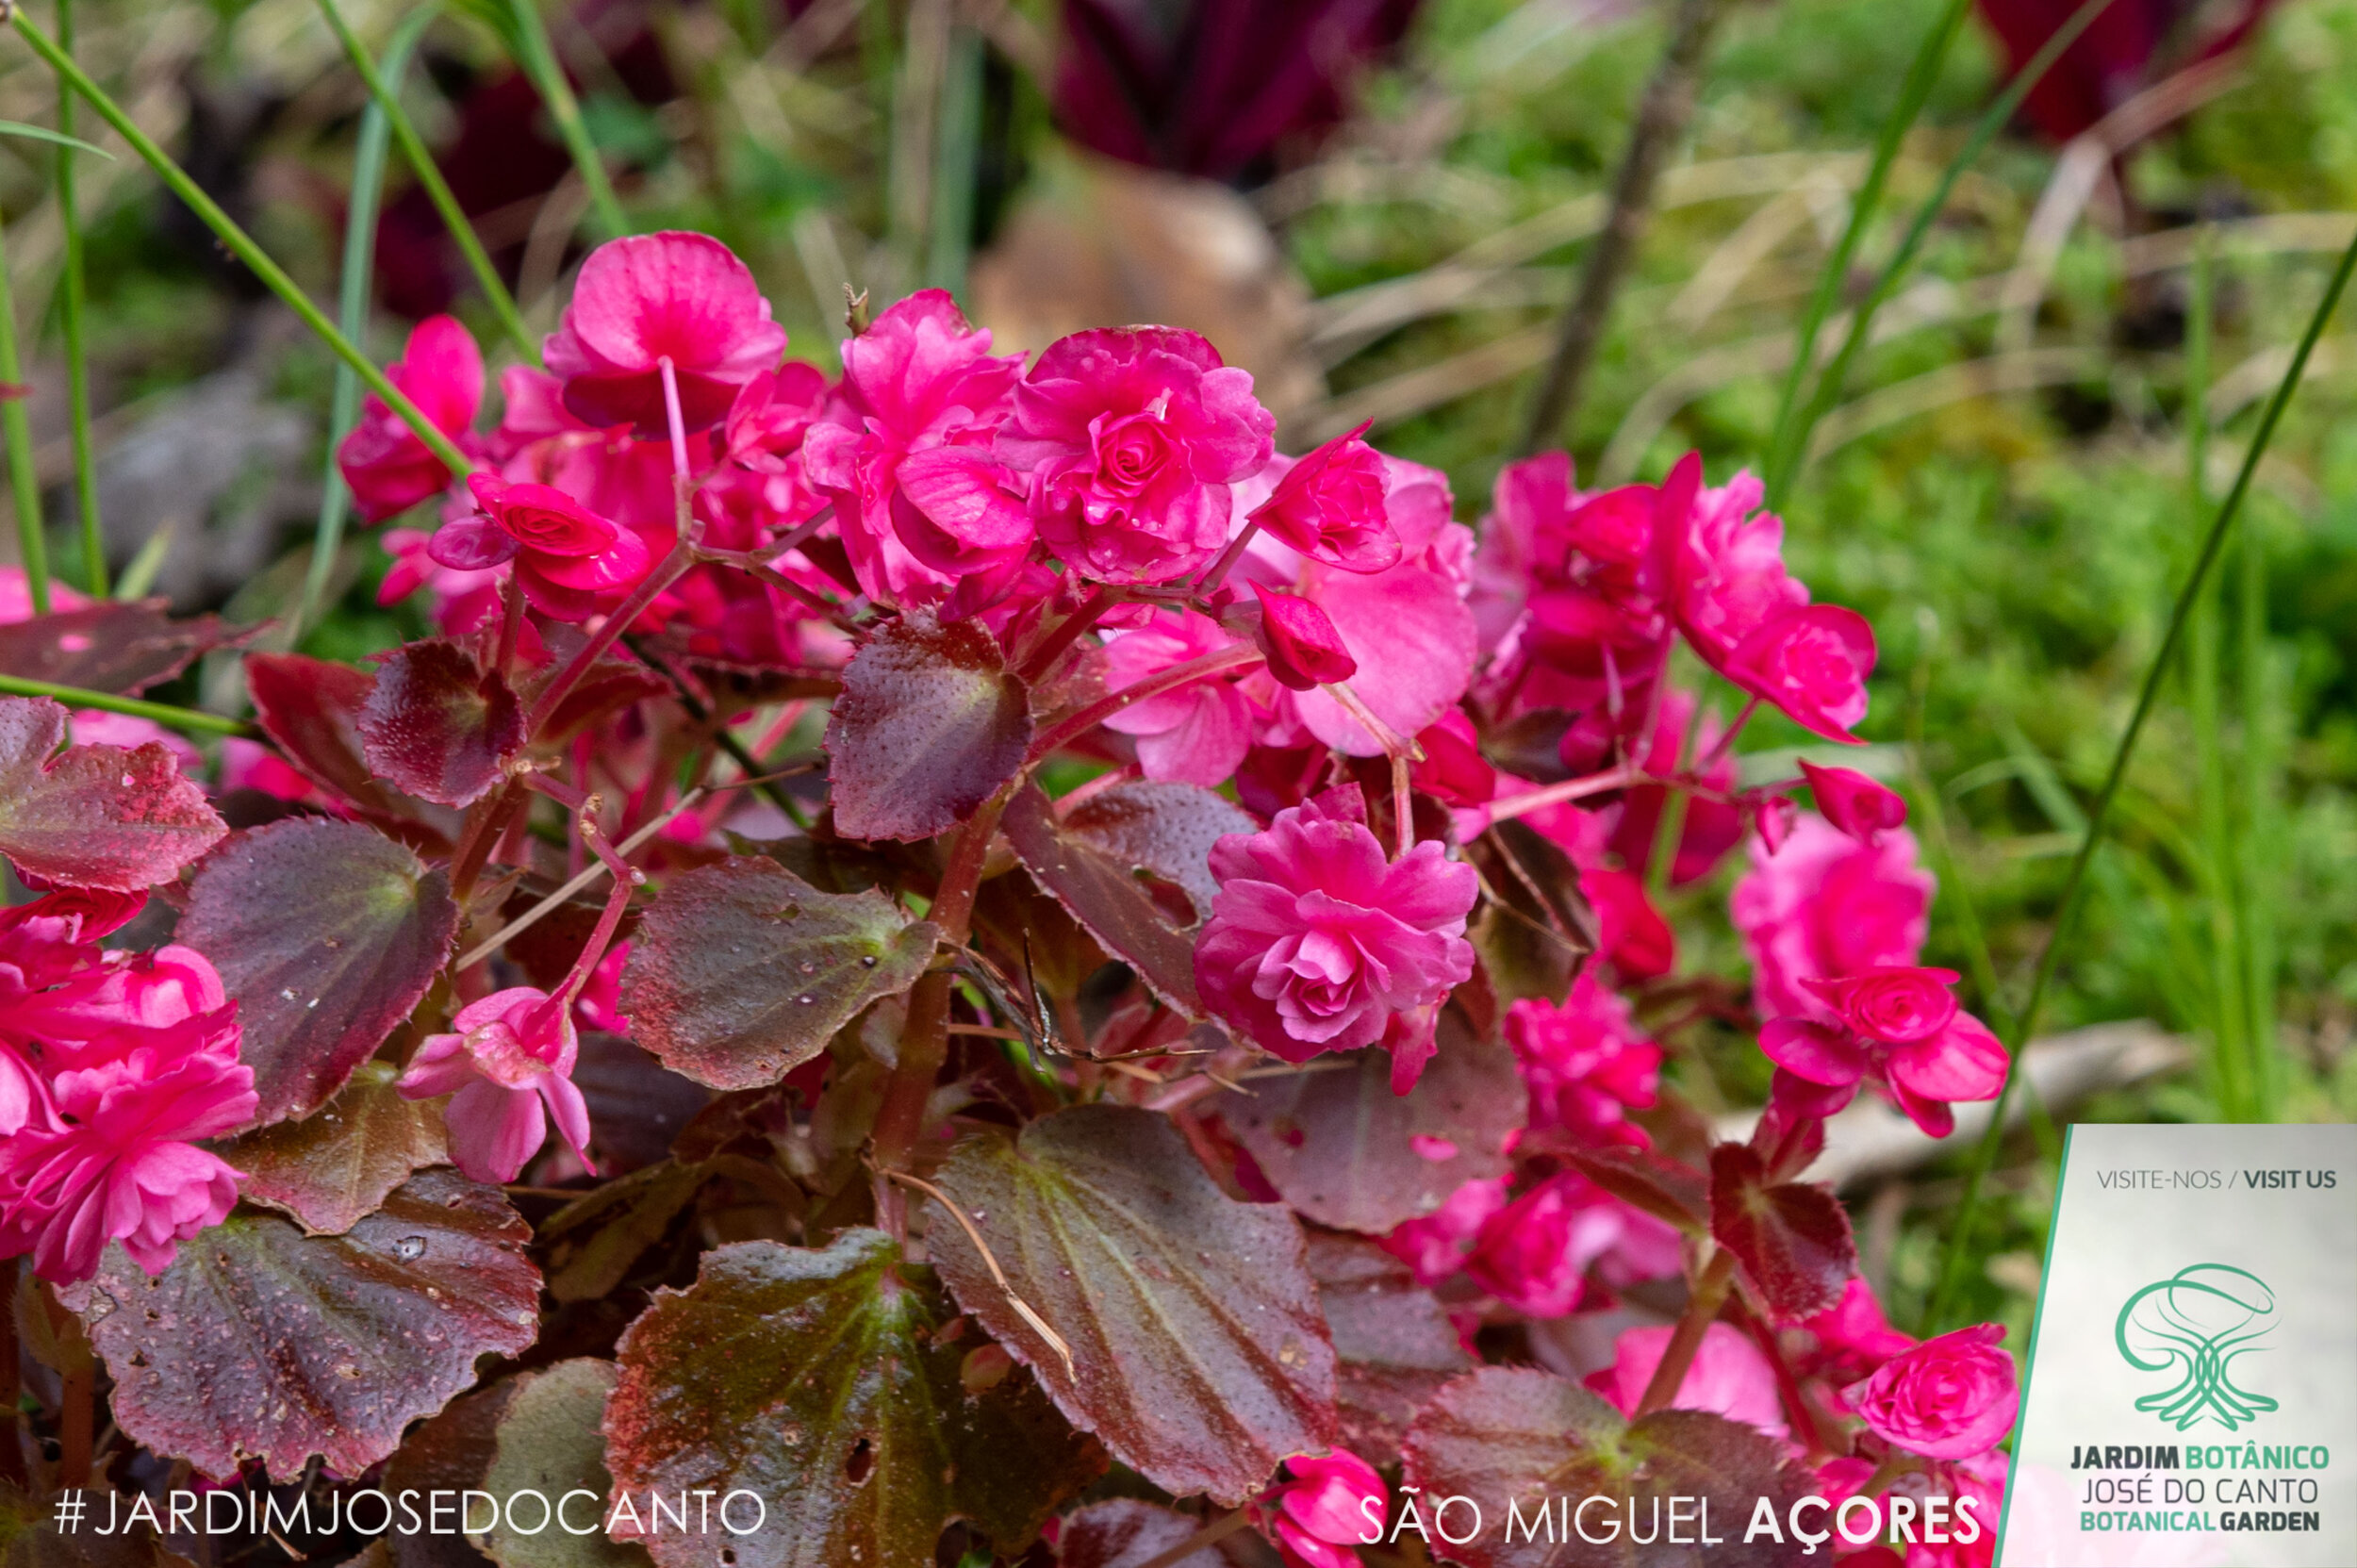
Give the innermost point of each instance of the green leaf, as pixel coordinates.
(929, 725)
(1394, 1344)
(1101, 890)
(1198, 1350)
(742, 971)
(95, 815)
(1517, 1436)
(549, 1442)
(1334, 1141)
(335, 1167)
(260, 1342)
(827, 1382)
(327, 933)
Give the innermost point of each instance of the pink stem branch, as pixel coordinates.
(1177, 675)
(1570, 789)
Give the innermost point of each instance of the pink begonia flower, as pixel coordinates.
(919, 378)
(1729, 1377)
(1585, 1064)
(462, 599)
(1407, 627)
(1711, 827)
(1330, 1504)
(93, 727)
(113, 1067)
(1631, 934)
(1897, 1025)
(1453, 769)
(389, 469)
(1773, 816)
(1726, 567)
(1826, 905)
(600, 1004)
(1812, 662)
(250, 765)
(1850, 1340)
(1303, 649)
(649, 298)
(1196, 734)
(1435, 1246)
(756, 487)
(963, 513)
(1316, 942)
(1854, 802)
(566, 556)
(508, 1067)
(1534, 1254)
(1953, 1397)
(16, 596)
(541, 442)
(1132, 439)
(1329, 505)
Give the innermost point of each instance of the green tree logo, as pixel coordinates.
(2195, 1323)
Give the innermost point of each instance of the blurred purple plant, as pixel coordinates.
(1215, 87)
(2130, 45)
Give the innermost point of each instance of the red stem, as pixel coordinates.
(1067, 632)
(1218, 575)
(683, 556)
(1677, 1357)
(1570, 789)
(12, 1386)
(925, 1038)
(1176, 676)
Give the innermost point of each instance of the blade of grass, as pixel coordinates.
(16, 430)
(1960, 1236)
(385, 90)
(377, 127)
(71, 300)
(195, 721)
(241, 245)
(58, 138)
(140, 575)
(1789, 448)
(539, 63)
(1914, 91)
(2259, 866)
(2230, 1045)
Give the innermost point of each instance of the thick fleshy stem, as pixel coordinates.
(1203, 1540)
(1677, 1357)
(1725, 743)
(1570, 789)
(511, 624)
(1042, 657)
(925, 1038)
(77, 1399)
(1069, 730)
(1218, 575)
(651, 587)
(1808, 1421)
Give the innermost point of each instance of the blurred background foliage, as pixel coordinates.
(1380, 209)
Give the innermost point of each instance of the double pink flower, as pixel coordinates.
(1316, 942)
(1898, 1026)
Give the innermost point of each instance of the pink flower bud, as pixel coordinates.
(1854, 802)
(1331, 1503)
(1304, 649)
(1329, 506)
(1953, 1397)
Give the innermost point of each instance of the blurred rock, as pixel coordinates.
(1098, 242)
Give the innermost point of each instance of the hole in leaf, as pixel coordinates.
(861, 1460)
